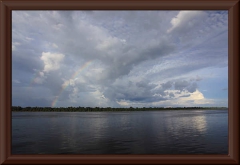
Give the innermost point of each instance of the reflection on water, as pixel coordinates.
(200, 123)
(153, 132)
(186, 123)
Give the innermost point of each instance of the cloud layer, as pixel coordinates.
(119, 58)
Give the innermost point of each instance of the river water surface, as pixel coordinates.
(140, 132)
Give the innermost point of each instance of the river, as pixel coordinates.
(138, 132)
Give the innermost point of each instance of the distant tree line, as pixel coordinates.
(101, 109)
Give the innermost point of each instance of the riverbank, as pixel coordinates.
(106, 109)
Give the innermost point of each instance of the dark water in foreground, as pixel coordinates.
(141, 132)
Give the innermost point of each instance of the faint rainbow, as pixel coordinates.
(65, 85)
(33, 80)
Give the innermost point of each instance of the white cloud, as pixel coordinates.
(107, 43)
(185, 19)
(51, 61)
(188, 99)
(29, 39)
(70, 82)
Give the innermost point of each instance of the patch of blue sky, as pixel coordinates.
(215, 83)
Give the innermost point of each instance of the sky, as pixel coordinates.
(120, 58)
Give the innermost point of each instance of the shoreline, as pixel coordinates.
(108, 109)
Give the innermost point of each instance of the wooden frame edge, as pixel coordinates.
(233, 83)
(121, 4)
(4, 122)
(5, 75)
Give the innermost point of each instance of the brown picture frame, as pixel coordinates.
(6, 6)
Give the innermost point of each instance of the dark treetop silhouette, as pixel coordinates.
(99, 109)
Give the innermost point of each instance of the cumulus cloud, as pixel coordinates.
(187, 99)
(51, 61)
(186, 20)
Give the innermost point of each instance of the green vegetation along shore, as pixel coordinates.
(100, 109)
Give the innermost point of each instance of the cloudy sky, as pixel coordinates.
(119, 58)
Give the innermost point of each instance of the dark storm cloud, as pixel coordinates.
(167, 85)
(184, 85)
(181, 85)
(171, 94)
(131, 91)
(142, 91)
(192, 88)
(185, 95)
(124, 64)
